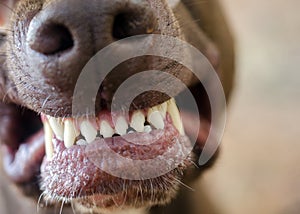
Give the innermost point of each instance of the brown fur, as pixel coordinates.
(29, 88)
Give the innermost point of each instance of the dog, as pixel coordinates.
(45, 45)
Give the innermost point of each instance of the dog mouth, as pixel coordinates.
(86, 130)
(74, 151)
(95, 156)
(22, 139)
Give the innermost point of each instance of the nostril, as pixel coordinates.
(128, 24)
(51, 39)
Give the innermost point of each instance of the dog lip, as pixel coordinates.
(77, 176)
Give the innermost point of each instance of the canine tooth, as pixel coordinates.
(70, 133)
(137, 121)
(147, 129)
(155, 118)
(175, 115)
(121, 125)
(81, 142)
(57, 127)
(48, 140)
(88, 131)
(163, 109)
(106, 130)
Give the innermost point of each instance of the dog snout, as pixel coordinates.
(62, 25)
(55, 40)
(65, 34)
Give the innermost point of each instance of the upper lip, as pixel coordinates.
(22, 166)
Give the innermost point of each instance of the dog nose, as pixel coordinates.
(65, 34)
(63, 25)
(51, 39)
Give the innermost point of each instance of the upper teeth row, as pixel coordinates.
(68, 129)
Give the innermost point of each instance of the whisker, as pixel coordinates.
(141, 189)
(185, 185)
(45, 102)
(39, 202)
(62, 206)
(195, 164)
(72, 207)
(55, 115)
(152, 190)
(125, 192)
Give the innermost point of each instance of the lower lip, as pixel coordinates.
(84, 170)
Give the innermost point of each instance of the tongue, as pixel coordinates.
(24, 164)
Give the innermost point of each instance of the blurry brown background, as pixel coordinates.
(259, 167)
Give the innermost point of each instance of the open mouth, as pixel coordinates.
(71, 150)
(23, 143)
(84, 131)
(78, 151)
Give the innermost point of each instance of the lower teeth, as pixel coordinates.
(68, 129)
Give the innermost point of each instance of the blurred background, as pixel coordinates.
(259, 167)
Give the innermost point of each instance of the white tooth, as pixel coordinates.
(121, 125)
(137, 121)
(175, 115)
(155, 118)
(147, 129)
(81, 142)
(163, 109)
(57, 127)
(88, 131)
(131, 132)
(48, 140)
(105, 129)
(70, 133)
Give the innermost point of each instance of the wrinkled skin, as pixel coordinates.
(31, 80)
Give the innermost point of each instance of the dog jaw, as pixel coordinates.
(82, 169)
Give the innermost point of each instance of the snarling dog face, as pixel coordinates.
(45, 45)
